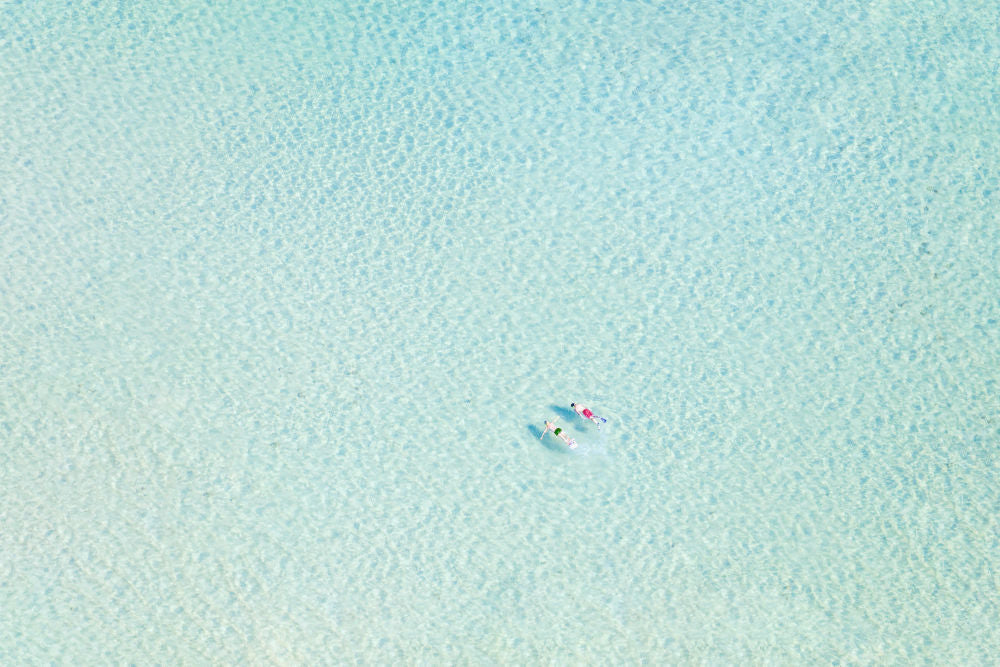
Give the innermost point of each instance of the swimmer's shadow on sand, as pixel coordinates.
(566, 414)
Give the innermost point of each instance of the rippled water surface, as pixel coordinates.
(289, 289)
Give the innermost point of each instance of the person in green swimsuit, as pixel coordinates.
(550, 426)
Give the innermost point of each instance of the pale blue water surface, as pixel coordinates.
(288, 290)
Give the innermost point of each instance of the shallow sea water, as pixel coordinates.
(288, 291)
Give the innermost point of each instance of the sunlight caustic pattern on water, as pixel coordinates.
(288, 292)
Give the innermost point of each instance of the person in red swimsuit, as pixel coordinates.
(587, 414)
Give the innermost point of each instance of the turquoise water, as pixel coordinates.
(288, 291)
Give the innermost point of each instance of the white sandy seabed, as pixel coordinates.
(288, 292)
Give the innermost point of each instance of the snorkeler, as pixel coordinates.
(587, 414)
(550, 426)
